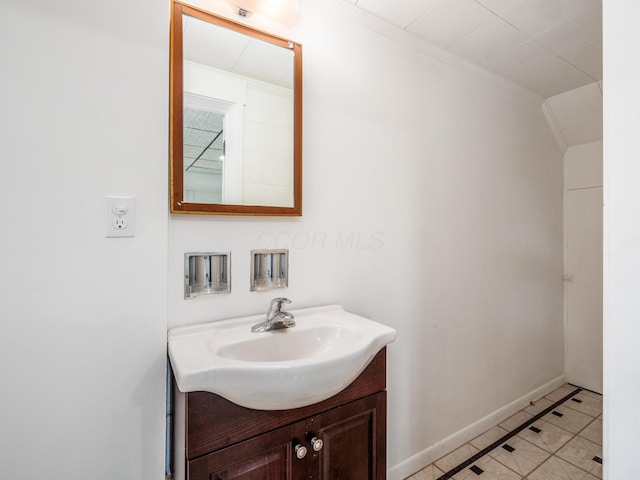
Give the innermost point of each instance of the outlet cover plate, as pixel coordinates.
(119, 216)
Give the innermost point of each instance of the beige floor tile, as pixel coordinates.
(456, 457)
(593, 431)
(519, 455)
(491, 470)
(557, 469)
(556, 448)
(568, 419)
(592, 394)
(584, 403)
(549, 437)
(488, 437)
(581, 452)
(538, 406)
(515, 420)
(429, 473)
(561, 392)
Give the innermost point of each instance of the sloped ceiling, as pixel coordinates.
(546, 46)
(575, 117)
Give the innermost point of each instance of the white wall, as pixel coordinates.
(583, 166)
(83, 96)
(432, 203)
(621, 239)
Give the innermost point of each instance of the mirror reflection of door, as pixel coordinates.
(204, 146)
(250, 82)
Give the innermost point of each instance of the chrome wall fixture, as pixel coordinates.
(269, 269)
(206, 273)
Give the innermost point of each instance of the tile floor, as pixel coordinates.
(564, 444)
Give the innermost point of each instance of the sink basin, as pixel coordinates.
(279, 369)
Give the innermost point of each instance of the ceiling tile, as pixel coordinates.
(492, 39)
(266, 62)
(566, 52)
(579, 114)
(400, 14)
(450, 21)
(536, 17)
(588, 59)
(526, 53)
(211, 45)
(501, 7)
(575, 34)
(535, 68)
(232, 51)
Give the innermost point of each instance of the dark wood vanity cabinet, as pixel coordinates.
(354, 441)
(268, 456)
(227, 442)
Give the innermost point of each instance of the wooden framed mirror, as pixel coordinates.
(235, 117)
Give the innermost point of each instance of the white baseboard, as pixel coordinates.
(430, 454)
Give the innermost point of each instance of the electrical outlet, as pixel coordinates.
(120, 223)
(119, 216)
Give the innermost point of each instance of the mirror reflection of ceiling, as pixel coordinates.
(546, 46)
(234, 52)
(203, 140)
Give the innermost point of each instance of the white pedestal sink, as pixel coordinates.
(279, 369)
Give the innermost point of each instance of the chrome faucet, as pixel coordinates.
(276, 318)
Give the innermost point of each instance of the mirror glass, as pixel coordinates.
(235, 118)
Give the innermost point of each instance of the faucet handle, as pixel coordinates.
(278, 302)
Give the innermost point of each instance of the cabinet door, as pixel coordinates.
(354, 441)
(270, 456)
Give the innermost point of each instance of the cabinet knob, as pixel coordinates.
(317, 444)
(301, 451)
